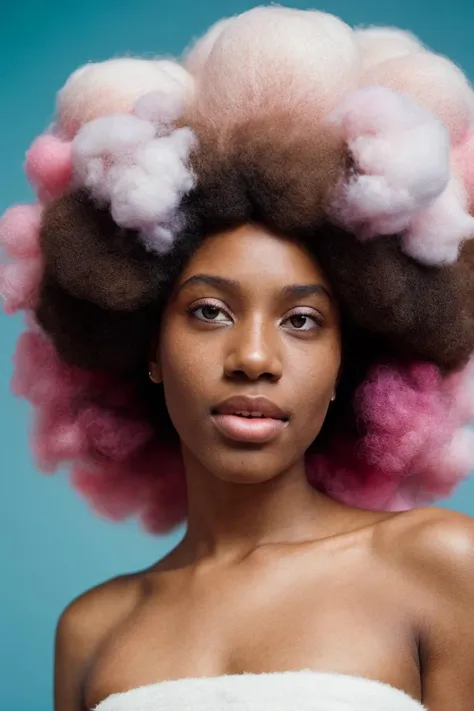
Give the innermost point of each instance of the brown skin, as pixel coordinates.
(254, 342)
(271, 574)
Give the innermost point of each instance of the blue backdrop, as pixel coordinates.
(52, 546)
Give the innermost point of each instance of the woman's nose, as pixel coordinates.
(254, 352)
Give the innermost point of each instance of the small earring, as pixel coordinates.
(153, 380)
(333, 397)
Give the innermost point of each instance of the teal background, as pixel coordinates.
(51, 546)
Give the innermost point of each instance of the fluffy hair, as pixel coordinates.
(92, 91)
(401, 180)
(279, 117)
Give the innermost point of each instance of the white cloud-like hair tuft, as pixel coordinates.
(130, 165)
(400, 179)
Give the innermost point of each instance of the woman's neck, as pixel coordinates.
(228, 520)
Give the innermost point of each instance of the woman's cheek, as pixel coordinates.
(191, 381)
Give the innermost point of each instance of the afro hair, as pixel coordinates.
(353, 144)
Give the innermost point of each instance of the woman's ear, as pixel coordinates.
(154, 372)
(154, 366)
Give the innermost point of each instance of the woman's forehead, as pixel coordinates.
(252, 254)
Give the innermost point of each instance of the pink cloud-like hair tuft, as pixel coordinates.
(49, 167)
(417, 445)
(21, 274)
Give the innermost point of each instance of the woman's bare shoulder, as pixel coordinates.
(433, 549)
(82, 626)
(93, 612)
(98, 606)
(99, 609)
(436, 544)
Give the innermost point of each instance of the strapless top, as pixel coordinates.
(304, 690)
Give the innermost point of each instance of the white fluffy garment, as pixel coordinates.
(304, 690)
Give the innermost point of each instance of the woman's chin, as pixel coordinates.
(248, 469)
(239, 462)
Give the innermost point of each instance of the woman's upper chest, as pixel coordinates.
(341, 616)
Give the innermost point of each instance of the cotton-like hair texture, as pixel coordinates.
(263, 89)
(19, 284)
(397, 60)
(289, 68)
(198, 52)
(49, 166)
(19, 231)
(385, 133)
(401, 164)
(20, 275)
(378, 44)
(435, 82)
(103, 88)
(429, 419)
(140, 175)
(400, 180)
(463, 160)
(422, 304)
(310, 56)
(120, 116)
(134, 163)
(436, 234)
(95, 421)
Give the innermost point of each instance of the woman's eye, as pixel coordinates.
(305, 321)
(299, 321)
(209, 312)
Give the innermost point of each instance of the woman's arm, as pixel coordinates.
(441, 550)
(82, 627)
(71, 654)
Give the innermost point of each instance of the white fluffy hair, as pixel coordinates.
(401, 180)
(196, 55)
(435, 235)
(398, 60)
(387, 134)
(435, 82)
(120, 116)
(266, 82)
(131, 165)
(274, 60)
(377, 44)
(102, 88)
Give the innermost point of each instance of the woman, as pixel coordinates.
(251, 291)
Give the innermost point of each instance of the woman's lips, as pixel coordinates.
(258, 430)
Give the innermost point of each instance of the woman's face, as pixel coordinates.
(251, 315)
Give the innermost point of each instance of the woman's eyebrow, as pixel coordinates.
(296, 290)
(212, 280)
(232, 286)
